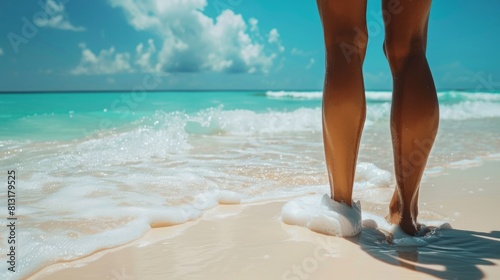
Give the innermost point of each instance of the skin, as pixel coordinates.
(414, 112)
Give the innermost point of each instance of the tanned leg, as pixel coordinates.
(344, 108)
(415, 111)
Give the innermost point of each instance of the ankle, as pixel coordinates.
(340, 199)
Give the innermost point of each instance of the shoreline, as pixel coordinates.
(249, 241)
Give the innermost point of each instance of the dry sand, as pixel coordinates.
(251, 242)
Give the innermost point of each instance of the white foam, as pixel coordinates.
(40, 248)
(387, 95)
(378, 96)
(467, 110)
(493, 156)
(395, 236)
(368, 175)
(323, 215)
(310, 95)
(212, 198)
(423, 238)
(453, 105)
(465, 163)
(244, 122)
(433, 171)
(471, 96)
(89, 225)
(464, 110)
(295, 94)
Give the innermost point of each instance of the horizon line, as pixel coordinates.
(192, 90)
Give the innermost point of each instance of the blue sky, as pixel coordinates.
(220, 44)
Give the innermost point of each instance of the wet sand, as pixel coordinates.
(251, 242)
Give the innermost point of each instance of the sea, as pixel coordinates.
(95, 170)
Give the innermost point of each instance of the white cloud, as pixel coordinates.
(274, 35)
(253, 24)
(193, 41)
(106, 62)
(110, 80)
(1, 52)
(56, 17)
(296, 51)
(144, 57)
(274, 38)
(311, 63)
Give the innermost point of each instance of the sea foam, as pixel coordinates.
(110, 186)
(324, 215)
(454, 105)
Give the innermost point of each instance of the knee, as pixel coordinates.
(358, 37)
(349, 42)
(398, 50)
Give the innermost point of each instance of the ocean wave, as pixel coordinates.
(446, 97)
(454, 96)
(163, 133)
(454, 105)
(243, 122)
(100, 208)
(467, 110)
(172, 129)
(371, 96)
(295, 94)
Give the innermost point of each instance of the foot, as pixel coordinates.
(416, 229)
(410, 227)
(323, 215)
(394, 215)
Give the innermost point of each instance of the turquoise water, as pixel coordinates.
(65, 116)
(97, 170)
(53, 116)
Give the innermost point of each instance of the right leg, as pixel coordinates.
(415, 111)
(344, 109)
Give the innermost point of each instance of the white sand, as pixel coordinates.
(251, 242)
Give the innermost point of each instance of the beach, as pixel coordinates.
(251, 242)
(188, 185)
(232, 139)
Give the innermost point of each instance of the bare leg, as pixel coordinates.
(415, 111)
(344, 109)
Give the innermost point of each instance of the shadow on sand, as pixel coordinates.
(458, 253)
